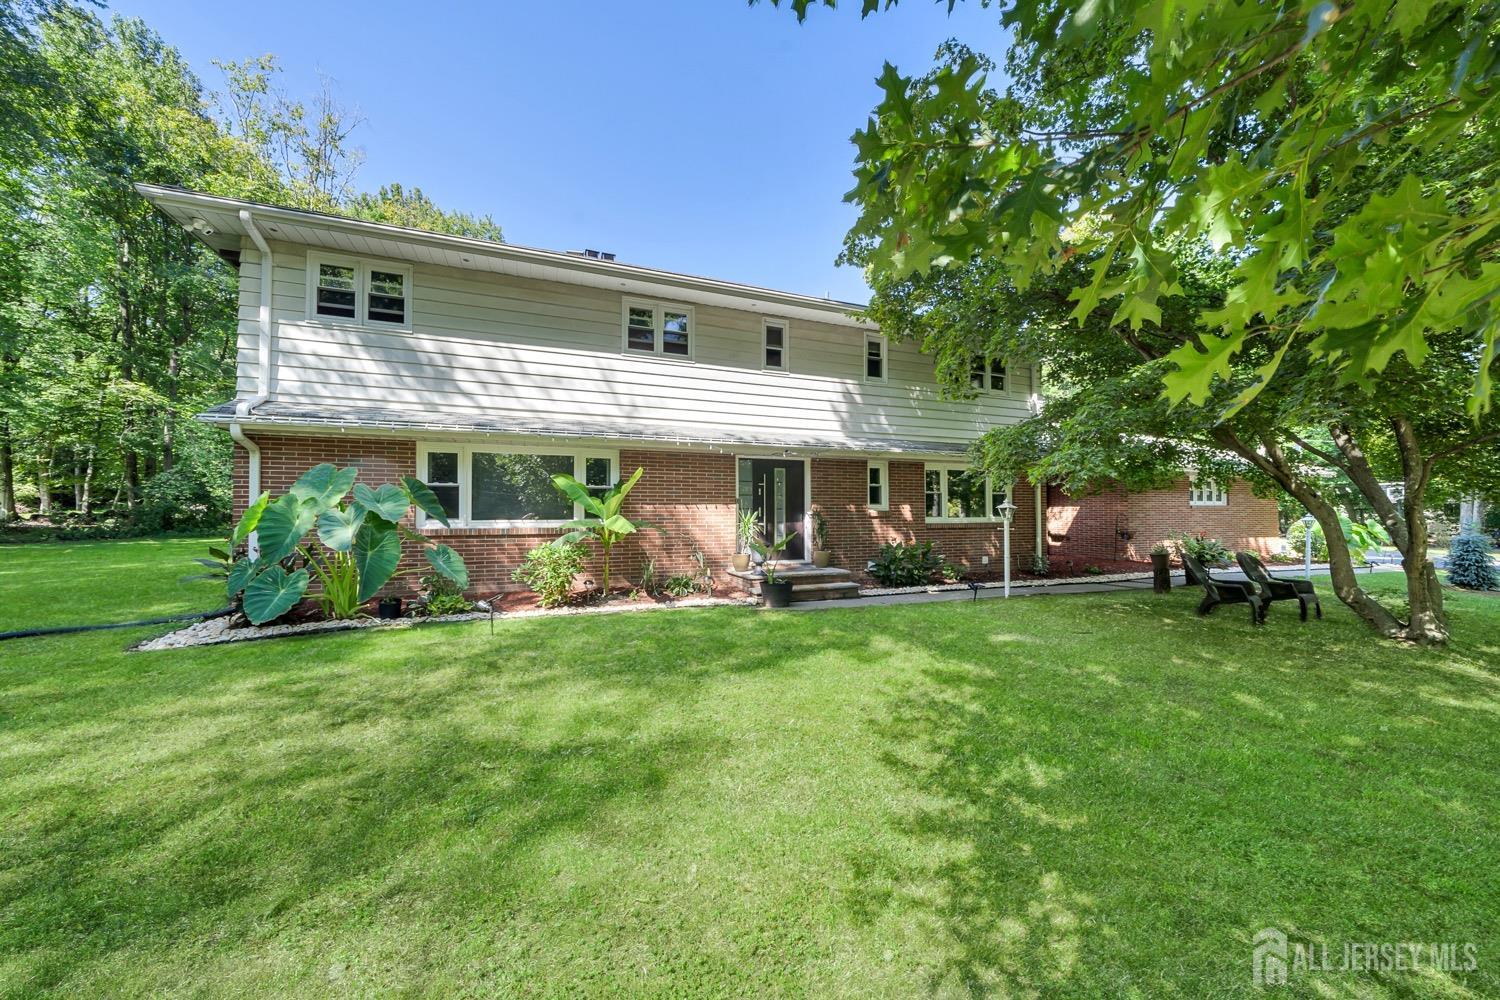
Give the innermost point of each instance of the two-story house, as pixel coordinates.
(483, 368)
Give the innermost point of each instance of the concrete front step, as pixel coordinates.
(809, 582)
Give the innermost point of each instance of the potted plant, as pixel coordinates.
(821, 556)
(747, 528)
(776, 591)
(1161, 568)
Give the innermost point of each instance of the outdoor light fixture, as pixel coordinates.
(1007, 512)
(200, 226)
(1307, 526)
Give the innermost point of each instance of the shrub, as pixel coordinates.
(1208, 551)
(953, 572)
(681, 586)
(1040, 564)
(549, 570)
(906, 565)
(443, 596)
(182, 499)
(1469, 563)
(649, 583)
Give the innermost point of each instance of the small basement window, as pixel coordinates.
(773, 341)
(874, 358)
(1207, 494)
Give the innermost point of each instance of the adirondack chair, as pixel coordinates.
(1216, 592)
(1279, 588)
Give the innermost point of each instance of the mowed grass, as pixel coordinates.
(1067, 796)
(43, 584)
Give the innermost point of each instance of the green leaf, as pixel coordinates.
(324, 484)
(250, 519)
(377, 552)
(425, 499)
(616, 497)
(389, 502)
(337, 527)
(220, 554)
(273, 593)
(1193, 378)
(578, 493)
(619, 525)
(240, 574)
(282, 526)
(450, 564)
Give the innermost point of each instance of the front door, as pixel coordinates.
(776, 490)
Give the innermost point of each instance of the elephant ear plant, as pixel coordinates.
(360, 548)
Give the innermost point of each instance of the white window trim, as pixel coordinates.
(786, 339)
(465, 490)
(362, 268)
(1207, 495)
(885, 484)
(990, 494)
(658, 344)
(885, 358)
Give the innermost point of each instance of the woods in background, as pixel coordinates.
(115, 325)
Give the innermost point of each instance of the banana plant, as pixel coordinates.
(358, 545)
(603, 521)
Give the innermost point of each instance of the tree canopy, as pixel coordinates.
(115, 325)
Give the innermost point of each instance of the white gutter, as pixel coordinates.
(263, 371)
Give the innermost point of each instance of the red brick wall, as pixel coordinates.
(690, 495)
(856, 533)
(1246, 522)
(1088, 527)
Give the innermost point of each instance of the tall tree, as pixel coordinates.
(1331, 165)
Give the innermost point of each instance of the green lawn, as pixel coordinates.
(1065, 796)
(95, 583)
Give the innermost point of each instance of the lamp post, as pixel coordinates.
(1307, 526)
(1007, 512)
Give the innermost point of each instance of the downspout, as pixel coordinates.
(263, 371)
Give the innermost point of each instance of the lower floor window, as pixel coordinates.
(1203, 493)
(496, 487)
(958, 493)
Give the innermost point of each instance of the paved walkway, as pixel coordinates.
(1043, 590)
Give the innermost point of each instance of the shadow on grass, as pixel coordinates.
(1104, 817)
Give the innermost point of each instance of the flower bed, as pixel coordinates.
(217, 631)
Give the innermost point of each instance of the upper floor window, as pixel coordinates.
(874, 357)
(878, 474)
(658, 328)
(773, 337)
(959, 493)
(987, 375)
(1205, 493)
(486, 486)
(358, 291)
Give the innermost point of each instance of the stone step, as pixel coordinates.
(838, 591)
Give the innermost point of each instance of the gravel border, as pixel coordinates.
(937, 588)
(216, 631)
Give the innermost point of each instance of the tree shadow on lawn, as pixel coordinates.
(1095, 817)
(224, 791)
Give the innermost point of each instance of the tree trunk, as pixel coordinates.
(44, 485)
(85, 496)
(1428, 625)
(1271, 460)
(7, 475)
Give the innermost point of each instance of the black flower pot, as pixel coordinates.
(778, 594)
(1161, 572)
(389, 607)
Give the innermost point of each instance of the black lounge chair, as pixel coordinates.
(1216, 592)
(1279, 588)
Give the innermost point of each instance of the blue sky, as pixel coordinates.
(703, 136)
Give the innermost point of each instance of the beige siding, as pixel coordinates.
(502, 346)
